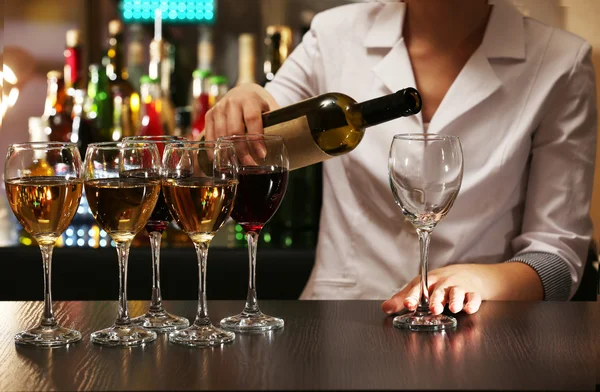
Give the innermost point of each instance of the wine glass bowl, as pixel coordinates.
(425, 173)
(157, 318)
(200, 184)
(122, 183)
(43, 186)
(262, 177)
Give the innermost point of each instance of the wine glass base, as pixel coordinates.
(424, 322)
(127, 335)
(247, 322)
(201, 336)
(47, 337)
(161, 321)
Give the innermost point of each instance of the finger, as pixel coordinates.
(396, 303)
(412, 297)
(438, 298)
(253, 120)
(472, 302)
(209, 127)
(234, 120)
(456, 299)
(220, 123)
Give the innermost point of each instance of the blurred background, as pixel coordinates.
(72, 71)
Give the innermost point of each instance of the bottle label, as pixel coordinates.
(302, 149)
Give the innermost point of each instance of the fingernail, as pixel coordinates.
(387, 307)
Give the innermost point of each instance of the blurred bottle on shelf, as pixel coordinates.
(136, 56)
(125, 103)
(183, 122)
(200, 101)
(82, 129)
(99, 104)
(151, 107)
(246, 59)
(56, 113)
(73, 71)
(205, 49)
(278, 42)
(160, 68)
(218, 85)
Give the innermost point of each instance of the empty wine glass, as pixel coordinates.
(157, 318)
(199, 184)
(425, 173)
(262, 177)
(122, 183)
(43, 186)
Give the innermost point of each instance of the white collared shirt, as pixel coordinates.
(524, 107)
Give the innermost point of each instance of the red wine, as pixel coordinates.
(260, 191)
(161, 216)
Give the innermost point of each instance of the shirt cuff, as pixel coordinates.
(553, 272)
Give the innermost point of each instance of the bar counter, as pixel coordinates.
(330, 345)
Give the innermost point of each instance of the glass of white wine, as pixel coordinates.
(44, 186)
(425, 173)
(122, 183)
(200, 185)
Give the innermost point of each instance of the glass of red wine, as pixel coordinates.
(262, 181)
(157, 318)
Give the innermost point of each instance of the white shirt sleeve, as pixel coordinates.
(298, 78)
(556, 230)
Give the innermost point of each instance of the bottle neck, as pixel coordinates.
(115, 68)
(247, 60)
(72, 70)
(379, 110)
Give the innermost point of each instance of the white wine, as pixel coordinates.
(333, 124)
(44, 206)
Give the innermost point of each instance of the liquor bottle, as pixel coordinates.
(278, 43)
(205, 49)
(246, 59)
(160, 69)
(151, 107)
(183, 122)
(135, 56)
(73, 53)
(200, 101)
(218, 86)
(99, 105)
(56, 112)
(82, 130)
(333, 124)
(117, 76)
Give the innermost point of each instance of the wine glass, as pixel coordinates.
(425, 173)
(157, 318)
(43, 187)
(199, 184)
(122, 183)
(262, 177)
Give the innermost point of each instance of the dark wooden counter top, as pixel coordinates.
(331, 345)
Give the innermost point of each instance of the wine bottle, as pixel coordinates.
(73, 73)
(121, 90)
(246, 60)
(152, 124)
(99, 108)
(56, 110)
(278, 43)
(199, 101)
(136, 56)
(333, 124)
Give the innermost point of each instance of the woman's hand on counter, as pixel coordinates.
(463, 286)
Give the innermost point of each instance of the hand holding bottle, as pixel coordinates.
(239, 111)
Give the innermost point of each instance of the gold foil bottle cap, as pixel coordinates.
(54, 74)
(73, 38)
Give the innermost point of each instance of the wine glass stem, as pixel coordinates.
(251, 301)
(48, 318)
(424, 237)
(155, 239)
(123, 253)
(202, 314)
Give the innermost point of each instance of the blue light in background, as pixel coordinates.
(173, 11)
